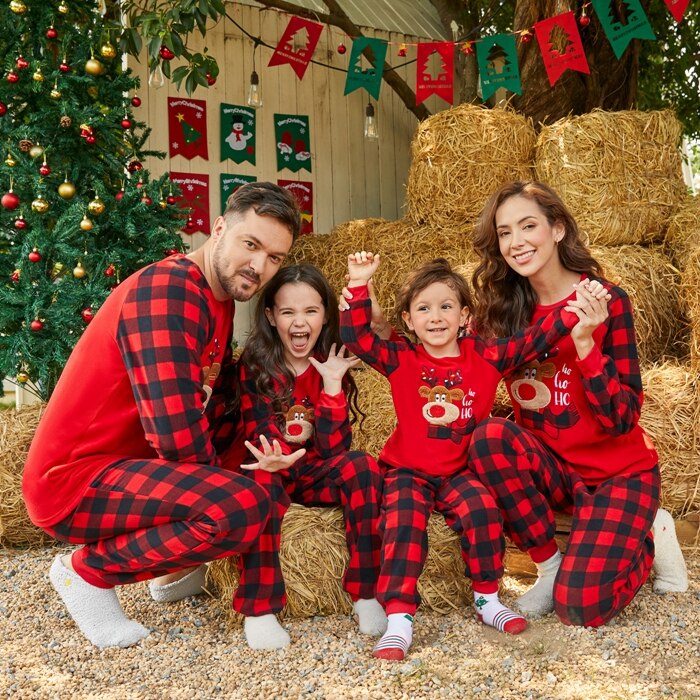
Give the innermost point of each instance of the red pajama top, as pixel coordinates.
(439, 401)
(136, 386)
(587, 411)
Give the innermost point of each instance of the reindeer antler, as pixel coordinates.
(453, 378)
(429, 376)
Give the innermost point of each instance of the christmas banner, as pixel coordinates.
(497, 57)
(435, 71)
(304, 194)
(677, 8)
(297, 45)
(237, 133)
(561, 47)
(230, 183)
(368, 78)
(620, 31)
(195, 195)
(293, 142)
(187, 127)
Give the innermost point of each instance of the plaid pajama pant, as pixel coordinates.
(143, 518)
(409, 499)
(352, 480)
(610, 549)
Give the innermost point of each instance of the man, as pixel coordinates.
(123, 460)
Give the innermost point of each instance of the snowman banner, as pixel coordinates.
(292, 139)
(237, 133)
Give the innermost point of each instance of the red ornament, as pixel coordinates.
(12, 77)
(171, 199)
(20, 223)
(21, 62)
(165, 53)
(10, 200)
(189, 226)
(119, 195)
(126, 123)
(402, 50)
(526, 36)
(210, 79)
(136, 101)
(51, 33)
(3, 109)
(34, 256)
(140, 184)
(87, 314)
(341, 49)
(64, 67)
(168, 252)
(146, 200)
(14, 277)
(90, 139)
(36, 325)
(44, 169)
(134, 166)
(109, 272)
(584, 20)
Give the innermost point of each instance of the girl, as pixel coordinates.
(575, 444)
(296, 395)
(441, 388)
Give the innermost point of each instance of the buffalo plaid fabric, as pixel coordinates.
(610, 549)
(350, 479)
(143, 518)
(409, 499)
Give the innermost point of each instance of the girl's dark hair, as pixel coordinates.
(437, 270)
(505, 300)
(264, 353)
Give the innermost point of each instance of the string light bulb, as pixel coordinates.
(155, 77)
(371, 131)
(254, 90)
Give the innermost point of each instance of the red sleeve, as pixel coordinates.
(332, 425)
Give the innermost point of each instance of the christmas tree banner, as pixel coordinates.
(230, 183)
(634, 24)
(677, 8)
(297, 45)
(497, 57)
(195, 195)
(237, 133)
(293, 142)
(435, 71)
(187, 127)
(561, 47)
(304, 194)
(368, 78)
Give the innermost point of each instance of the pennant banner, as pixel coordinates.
(187, 127)
(230, 183)
(304, 194)
(195, 195)
(561, 47)
(297, 45)
(497, 57)
(435, 71)
(237, 133)
(293, 142)
(368, 78)
(620, 31)
(677, 8)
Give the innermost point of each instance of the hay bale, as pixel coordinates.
(653, 285)
(618, 172)
(683, 234)
(459, 156)
(690, 296)
(671, 417)
(374, 398)
(17, 430)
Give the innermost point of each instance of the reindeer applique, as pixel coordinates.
(440, 410)
(210, 374)
(299, 422)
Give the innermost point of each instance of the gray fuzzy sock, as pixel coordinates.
(670, 572)
(265, 632)
(539, 600)
(192, 584)
(96, 611)
(371, 617)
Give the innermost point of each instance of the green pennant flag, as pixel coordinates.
(497, 57)
(368, 78)
(230, 183)
(292, 139)
(633, 24)
(237, 133)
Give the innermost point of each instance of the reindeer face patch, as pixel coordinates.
(299, 425)
(528, 389)
(440, 409)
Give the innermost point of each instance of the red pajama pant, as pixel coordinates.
(351, 480)
(610, 549)
(409, 499)
(143, 518)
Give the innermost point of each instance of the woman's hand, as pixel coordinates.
(591, 307)
(334, 368)
(271, 459)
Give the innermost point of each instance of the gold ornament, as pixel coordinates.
(22, 377)
(96, 206)
(56, 270)
(163, 204)
(94, 67)
(92, 91)
(55, 93)
(35, 151)
(18, 7)
(86, 224)
(63, 7)
(38, 75)
(66, 190)
(40, 205)
(10, 162)
(79, 271)
(107, 50)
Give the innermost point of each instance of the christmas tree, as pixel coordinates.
(79, 213)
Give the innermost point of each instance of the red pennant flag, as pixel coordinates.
(297, 45)
(677, 8)
(561, 46)
(304, 194)
(195, 196)
(187, 127)
(435, 71)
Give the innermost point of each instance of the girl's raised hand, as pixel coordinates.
(361, 266)
(334, 368)
(591, 307)
(271, 459)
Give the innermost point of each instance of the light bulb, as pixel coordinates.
(155, 77)
(370, 123)
(254, 91)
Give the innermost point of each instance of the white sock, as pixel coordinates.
(265, 632)
(670, 573)
(191, 584)
(492, 612)
(96, 611)
(398, 637)
(371, 617)
(539, 600)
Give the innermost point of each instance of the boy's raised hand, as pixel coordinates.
(361, 266)
(334, 368)
(271, 459)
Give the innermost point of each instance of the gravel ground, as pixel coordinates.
(650, 651)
